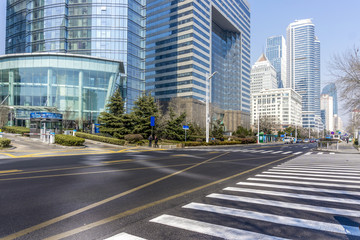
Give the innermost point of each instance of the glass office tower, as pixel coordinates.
(331, 90)
(188, 39)
(303, 69)
(276, 54)
(111, 29)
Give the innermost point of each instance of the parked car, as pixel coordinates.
(299, 140)
(288, 140)
(312, 140)
(306, 140)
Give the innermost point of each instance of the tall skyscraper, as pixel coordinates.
(114, 30)
(331, 90)
(263, 76)
(303, 69)
(186, 40)
(328, 113)
(2, 26)
(276, 54)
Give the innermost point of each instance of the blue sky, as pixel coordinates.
(337, 25)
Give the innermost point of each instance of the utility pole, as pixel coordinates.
(207, 101)
(258, 135)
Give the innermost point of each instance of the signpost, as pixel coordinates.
(152, 124)
(185, 127)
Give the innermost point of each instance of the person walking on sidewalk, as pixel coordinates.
(156, 141)
(150, 140)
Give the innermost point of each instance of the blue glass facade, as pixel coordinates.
(187, 39)
(74, 85)
(303, 68)
(331, 90)
(112, 29)
(276, 54)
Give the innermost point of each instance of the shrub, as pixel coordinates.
(356, 142)
(4, 142)
(133, 138)
(68, 140)
(16, 130)
(193, 144)
(101, 138)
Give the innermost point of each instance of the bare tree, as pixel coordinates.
(346, 70)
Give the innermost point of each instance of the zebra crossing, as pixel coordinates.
(303, 198)
(257, 151)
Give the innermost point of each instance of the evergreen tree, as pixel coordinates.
(113, 122)
(173, 129)
(144, 108)
(242, 132)
(217, 129)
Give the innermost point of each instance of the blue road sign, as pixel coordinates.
(332, 133)
(282, 135)
(152, 121)
(185, 127)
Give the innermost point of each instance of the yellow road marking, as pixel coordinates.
(10, 171)
(138, 209)
(91, 206)
(116, 161)
(112, 171)
(213, 152)
(9, 155)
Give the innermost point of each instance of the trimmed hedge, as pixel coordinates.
(68, 140)
(243, 141)
(100, 138)
(133, 138)
(17, 130)
(4, 142)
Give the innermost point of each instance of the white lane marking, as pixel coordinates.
(324, 190)
(286, 152)
(276, 152)
(308, 153)
(311, 175)
(297, 206)
(297, 153)
(295, 195)
(342, 173)
(210, 229)
(124, 236)
(332, 153)
(319, 153)
(332, 168)
(305, 183)
(309, 178)
(269, 151)
(289, 221)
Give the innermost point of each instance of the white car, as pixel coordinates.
(288, 140)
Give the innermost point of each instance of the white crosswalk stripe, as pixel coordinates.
(124, 236)
(305, 194)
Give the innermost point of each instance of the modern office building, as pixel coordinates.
(331, 90)
(113, 30)
(276, 54)
(263, 75)
(282, 107)
(328, 112)
(303, 69)
(75, 85)
(189, 40)
(2, 26)
(338, 124)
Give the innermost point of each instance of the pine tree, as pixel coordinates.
(217, 129)
(114, 122)
(144, 108)
(173, 129)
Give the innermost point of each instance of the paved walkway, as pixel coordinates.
(32, 147)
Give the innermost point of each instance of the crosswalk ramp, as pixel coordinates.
(301, 199)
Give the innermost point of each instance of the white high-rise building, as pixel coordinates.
(338, 124)
(327, 109)
(276, 54)
(303, 69)
(281, 106)
(263, 75)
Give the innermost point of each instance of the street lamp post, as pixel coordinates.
(207, 101)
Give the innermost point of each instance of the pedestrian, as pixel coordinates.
(156, 141)
(150, 140)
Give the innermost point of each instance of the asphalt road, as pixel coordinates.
(98, 196)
